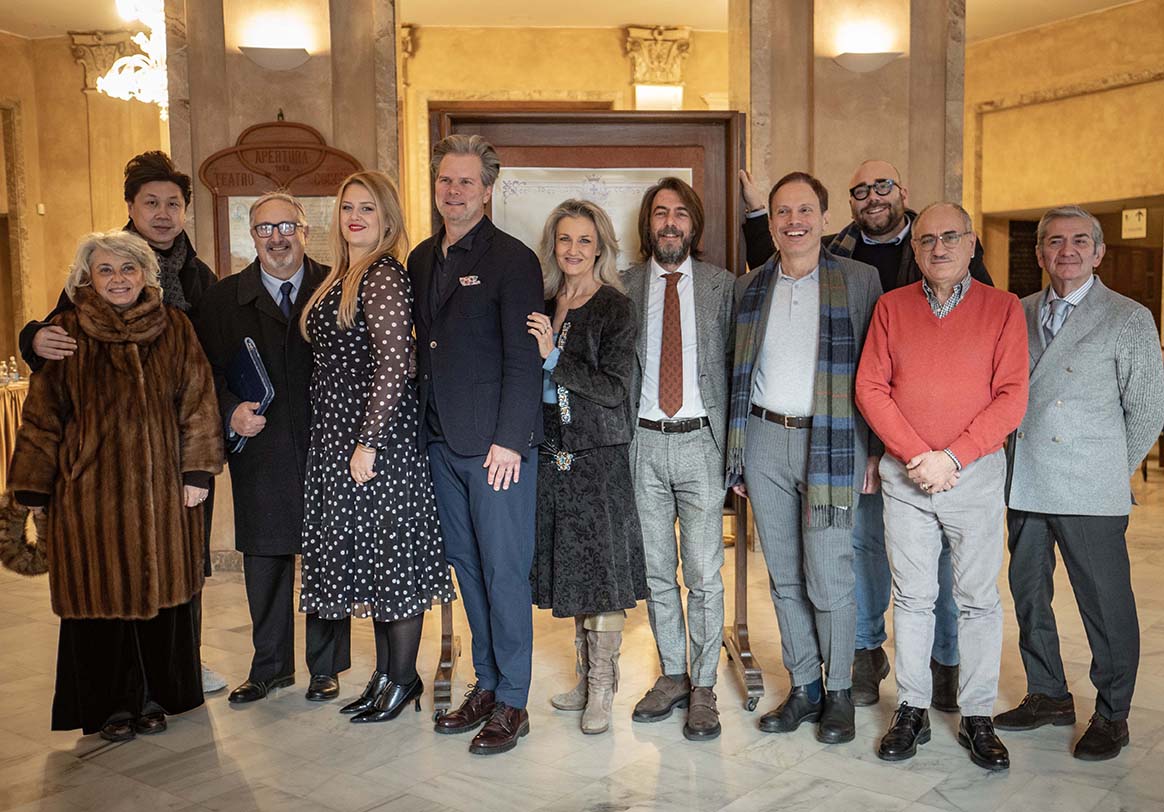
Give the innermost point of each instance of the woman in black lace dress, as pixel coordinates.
(371, 542)
(588, 562)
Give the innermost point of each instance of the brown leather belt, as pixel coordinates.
(675, 426)
(782, 419)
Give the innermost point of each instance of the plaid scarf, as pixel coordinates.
(832, 437)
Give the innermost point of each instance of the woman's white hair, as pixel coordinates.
(124, 244)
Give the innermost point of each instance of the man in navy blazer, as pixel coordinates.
(480, 396)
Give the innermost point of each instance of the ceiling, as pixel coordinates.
(984, 18)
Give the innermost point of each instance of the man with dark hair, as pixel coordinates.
(157, 197)
(680, 390)
(879, 236)
(799, 450)
(1096, 407)
(480, 394)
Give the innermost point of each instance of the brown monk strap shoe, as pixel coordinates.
(667, 694)
(476, 708)
(505, 726)
(702, 716)
(1037, 710)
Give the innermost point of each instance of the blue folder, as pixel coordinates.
(247, 378)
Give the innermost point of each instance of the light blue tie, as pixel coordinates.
(1056, 314)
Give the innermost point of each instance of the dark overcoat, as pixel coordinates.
(267, 475)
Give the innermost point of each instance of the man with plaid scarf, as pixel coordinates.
(798, 448)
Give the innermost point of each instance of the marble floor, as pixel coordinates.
(287, 754)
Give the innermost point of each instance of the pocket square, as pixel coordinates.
(466, 281)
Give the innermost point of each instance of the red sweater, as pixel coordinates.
(926, 384)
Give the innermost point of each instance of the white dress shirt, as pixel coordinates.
(785, 380)
(656, 287)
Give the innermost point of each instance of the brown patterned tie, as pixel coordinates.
(671, 354)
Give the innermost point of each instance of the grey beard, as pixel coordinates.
(668, 257)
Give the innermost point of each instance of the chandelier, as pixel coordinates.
(141, 76)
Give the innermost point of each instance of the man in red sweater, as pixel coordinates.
(942, 381)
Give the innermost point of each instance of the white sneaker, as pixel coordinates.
(212, 681)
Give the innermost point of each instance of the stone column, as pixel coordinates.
(937, 34)
(781, 130)
(363, 82)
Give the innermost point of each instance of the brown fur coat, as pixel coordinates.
(108, 435)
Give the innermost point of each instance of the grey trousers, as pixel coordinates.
(681, 476)
(810, 569)
(971, 516)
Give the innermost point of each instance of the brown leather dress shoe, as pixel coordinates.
(119, 731)
(477, 707)
(150, 723)
(505, 726)
(1103, 740)
(702, 716)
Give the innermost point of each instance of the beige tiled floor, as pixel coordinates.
(288, 754)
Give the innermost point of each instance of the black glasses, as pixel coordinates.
(882, 186)
(950, 239)
(286, 228)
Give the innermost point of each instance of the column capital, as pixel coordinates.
(657, 54)
(96, 51)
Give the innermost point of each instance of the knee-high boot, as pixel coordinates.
(603, 641)
(575, 698)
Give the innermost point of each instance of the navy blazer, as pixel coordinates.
(476, 354)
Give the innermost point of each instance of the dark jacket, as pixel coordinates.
(267, 476)
(759, 245)
(196, 279)
(595, 367)
(476, 354)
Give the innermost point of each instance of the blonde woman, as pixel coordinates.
(371, 542)
(588, 562)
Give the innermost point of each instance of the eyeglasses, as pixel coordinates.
(286, 228)
(950, 239)
(882, 186)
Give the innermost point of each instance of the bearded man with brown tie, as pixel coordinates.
(680, 389)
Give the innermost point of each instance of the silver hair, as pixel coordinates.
(124, 244)
(459, 144)
(1063, 212)
(967, 220)
(286, 197)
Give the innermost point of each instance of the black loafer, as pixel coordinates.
(256, 689)
(910, 727)
(365, 700)
(1103, 739)
(119, 731)
(1035, 711)
(837, 720)
(945, 687)
(789, 714)
(323, 688)
(976, 734)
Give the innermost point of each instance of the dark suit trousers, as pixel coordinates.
(270, 581)
(1095, 553)
(489, 540)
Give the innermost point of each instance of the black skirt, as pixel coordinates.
(589, 554)
(123, 669)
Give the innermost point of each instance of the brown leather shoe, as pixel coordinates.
(505, 726)
(476, 708)
(667, 694)
(702, 716)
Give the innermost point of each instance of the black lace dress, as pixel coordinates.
(371, 549)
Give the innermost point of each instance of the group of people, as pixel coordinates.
(542, 422)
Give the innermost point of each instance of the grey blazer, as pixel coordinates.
(863, 287)
(714, 329)
(1096, 405)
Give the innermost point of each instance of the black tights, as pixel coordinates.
(397, 643)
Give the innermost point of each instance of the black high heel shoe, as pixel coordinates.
(390, 701)
(367, 699)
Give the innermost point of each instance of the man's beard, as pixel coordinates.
(670, 256)
(878, 228)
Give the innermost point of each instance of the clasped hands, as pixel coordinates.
(933, 471)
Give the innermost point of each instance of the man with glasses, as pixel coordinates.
(942, 382)
(879, 236)
(262, 302)
(1096, 407)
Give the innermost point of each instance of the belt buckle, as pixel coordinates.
(663, 427)
(784, 421)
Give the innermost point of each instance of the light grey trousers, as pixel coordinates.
(971, 516)
(810, 569)
(681, 476)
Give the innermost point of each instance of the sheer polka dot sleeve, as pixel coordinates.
(387, 304)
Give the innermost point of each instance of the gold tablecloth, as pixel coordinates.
(11, 402)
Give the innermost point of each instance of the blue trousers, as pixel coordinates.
(871, 568)
(489, 540)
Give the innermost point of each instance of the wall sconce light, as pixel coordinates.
(275, 58)
(865, 62)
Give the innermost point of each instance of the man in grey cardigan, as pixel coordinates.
(1096, 406)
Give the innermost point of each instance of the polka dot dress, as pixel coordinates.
(371, 549)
